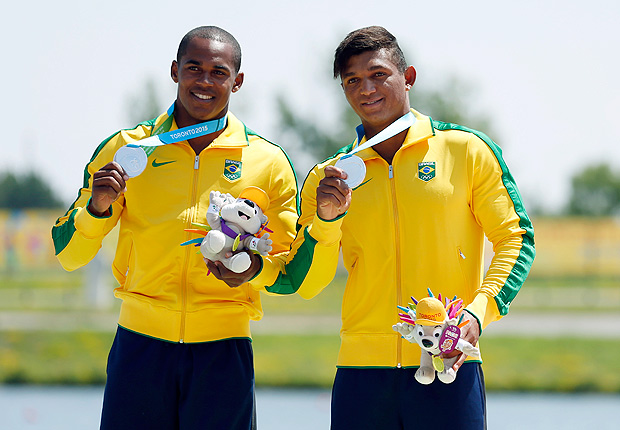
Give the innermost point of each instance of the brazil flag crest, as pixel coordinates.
(232, 170)
(426, 170)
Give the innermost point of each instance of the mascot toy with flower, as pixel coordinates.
(435, 325)
(235, 224)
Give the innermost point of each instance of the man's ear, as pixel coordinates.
(238, 82)
(174, 71)
(410, 75)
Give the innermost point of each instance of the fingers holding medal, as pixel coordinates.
(333, 195)
(109, 183)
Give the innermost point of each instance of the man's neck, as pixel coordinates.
(388, 148)
(200, 143)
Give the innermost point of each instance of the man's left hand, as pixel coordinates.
(233, 279)
(471, 333)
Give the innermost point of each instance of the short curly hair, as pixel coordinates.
(211, 32)
(372, 38)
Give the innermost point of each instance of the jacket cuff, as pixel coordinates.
(326, 232)
(266, 275)
(90, 225)
(484, 310)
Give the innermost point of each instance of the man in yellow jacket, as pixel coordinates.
(182, 356)
(425, 197)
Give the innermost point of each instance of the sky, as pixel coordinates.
(545, 73)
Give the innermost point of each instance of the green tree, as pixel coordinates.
(595, 191)
(26, 192)
(450, 103)
(144, 104)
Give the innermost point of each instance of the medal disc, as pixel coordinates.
(355, 168)
(132, 159)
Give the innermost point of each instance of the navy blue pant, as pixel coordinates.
(153, 384)
(371, 399)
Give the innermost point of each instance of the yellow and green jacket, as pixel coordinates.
(164, 286)
(416, 224)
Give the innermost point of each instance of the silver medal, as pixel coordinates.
(132, 159)
(355, 168)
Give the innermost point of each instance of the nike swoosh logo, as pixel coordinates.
(363, 183)
(156, 164)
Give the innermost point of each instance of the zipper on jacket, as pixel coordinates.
(399, 345)
(187, 254)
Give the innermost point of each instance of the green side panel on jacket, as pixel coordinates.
(62, 234)
(296, 269)
(525, 259)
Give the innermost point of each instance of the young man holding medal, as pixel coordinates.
(409, 203)
(182, 355)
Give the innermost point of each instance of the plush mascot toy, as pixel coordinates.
(234, 225)
(436, 327)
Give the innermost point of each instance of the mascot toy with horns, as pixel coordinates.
(436, 327)
(234, 225)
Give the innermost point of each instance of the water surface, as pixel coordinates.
(79, 408)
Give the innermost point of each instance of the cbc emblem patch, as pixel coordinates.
(426, 170)
(232, 170)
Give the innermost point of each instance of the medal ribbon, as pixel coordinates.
(161, 136)
(401, 124)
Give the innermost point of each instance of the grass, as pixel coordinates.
(511, 364)
(328, 302)
(515, 363)
(35, 279)
(560, 364)
(54, 358)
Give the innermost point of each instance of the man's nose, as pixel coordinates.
(205, 79)
(368, 87)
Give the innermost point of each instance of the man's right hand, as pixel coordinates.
(333, 195)
(109, 183)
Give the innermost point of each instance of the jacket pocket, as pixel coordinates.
(462, 261)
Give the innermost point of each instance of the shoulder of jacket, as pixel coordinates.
(255, 139)
(457, 129)
(475, 140)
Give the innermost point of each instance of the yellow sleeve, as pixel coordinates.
(78, 234)
(311, 263)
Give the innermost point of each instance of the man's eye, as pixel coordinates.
(351, 81)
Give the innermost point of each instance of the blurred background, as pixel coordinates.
(539, 77)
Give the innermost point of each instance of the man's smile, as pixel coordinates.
(202, 96)
(372, 102)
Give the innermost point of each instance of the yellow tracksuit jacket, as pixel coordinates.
(419, 223)
(164, 287)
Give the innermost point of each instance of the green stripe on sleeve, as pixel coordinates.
(297, 269)
(62, 234)
(524, 261)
